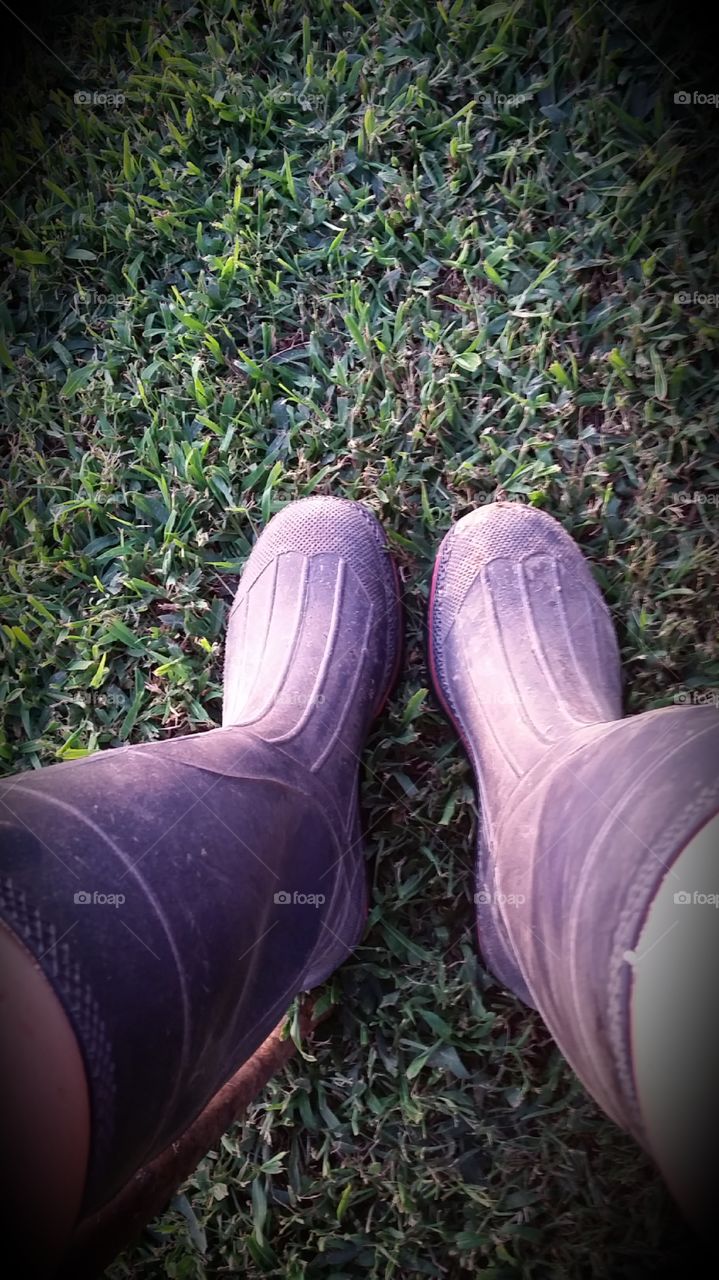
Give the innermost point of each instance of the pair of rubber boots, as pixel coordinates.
(237, 853)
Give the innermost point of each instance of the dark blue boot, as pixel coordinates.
(179, 894)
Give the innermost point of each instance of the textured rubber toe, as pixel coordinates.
(314, 638)
(522, 649)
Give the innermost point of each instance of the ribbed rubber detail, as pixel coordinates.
(522, 645)
(580, 854)
(312, 650)
(314, 632)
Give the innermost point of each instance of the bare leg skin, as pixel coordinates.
(675, 1032)
(44, 1114)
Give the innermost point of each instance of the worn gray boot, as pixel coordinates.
(583, 812)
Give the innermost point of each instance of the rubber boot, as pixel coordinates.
(179, 894)
(582, 812)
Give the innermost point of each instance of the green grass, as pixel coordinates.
(309, 254)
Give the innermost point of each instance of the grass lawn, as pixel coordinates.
(426, 256)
